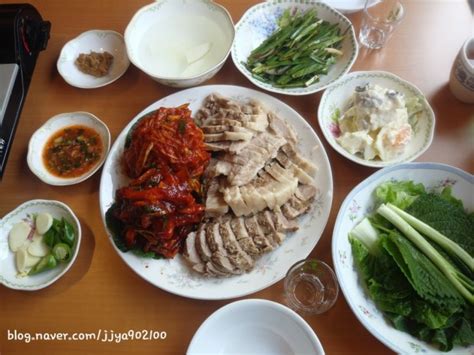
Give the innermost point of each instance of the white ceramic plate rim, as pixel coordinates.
(234, 293)
(314, 87)
(69, 211)
(172, 78)
(344, 206)
(345, 6)
(273, 306)
(375, 163)
(67, 181)
(69, 79)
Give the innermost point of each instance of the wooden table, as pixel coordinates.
(100, 291)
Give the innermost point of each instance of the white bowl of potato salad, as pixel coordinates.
(376, 119)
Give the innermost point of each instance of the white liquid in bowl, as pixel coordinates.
(182, 47)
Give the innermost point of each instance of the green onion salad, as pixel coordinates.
(298, 52)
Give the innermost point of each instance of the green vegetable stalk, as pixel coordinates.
(366, 234)
(458, 280)
(447, 244)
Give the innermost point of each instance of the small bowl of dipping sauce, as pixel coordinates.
(68, 148)
(180, 43)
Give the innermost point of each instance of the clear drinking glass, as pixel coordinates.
(379, 20)
(310, 287)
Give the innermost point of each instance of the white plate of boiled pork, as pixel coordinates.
(270, 192)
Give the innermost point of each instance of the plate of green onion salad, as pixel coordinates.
(294, 48)
(403, 251)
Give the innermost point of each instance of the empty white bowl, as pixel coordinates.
(8, 271)
(39, 139)
(180, 43)
(97, 41)
(255, 326)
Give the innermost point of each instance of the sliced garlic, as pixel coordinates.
(44, 221)
(25, 261)
(18, 235)
(38, 247)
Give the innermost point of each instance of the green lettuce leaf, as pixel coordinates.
(400, 193)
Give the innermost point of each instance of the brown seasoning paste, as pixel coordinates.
(96, 64)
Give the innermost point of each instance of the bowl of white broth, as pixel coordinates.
(180, 43)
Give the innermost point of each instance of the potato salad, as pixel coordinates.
(376, 123)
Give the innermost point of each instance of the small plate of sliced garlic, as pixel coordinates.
(39, 241)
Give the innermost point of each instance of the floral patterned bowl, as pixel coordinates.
(359, 203)
(334, 102)
(8, 272)
(260, 21)
(97, 41)
(40, 138)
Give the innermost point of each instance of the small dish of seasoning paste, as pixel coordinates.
(93, 59)
(68, 148)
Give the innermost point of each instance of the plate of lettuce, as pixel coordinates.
(403, 251)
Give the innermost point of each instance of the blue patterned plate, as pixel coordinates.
(260, 21)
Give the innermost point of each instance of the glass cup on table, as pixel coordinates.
(310, 287)
(379, 20)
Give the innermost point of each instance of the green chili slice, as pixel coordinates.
(47, 262)
(62, 252)
(68, 235)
